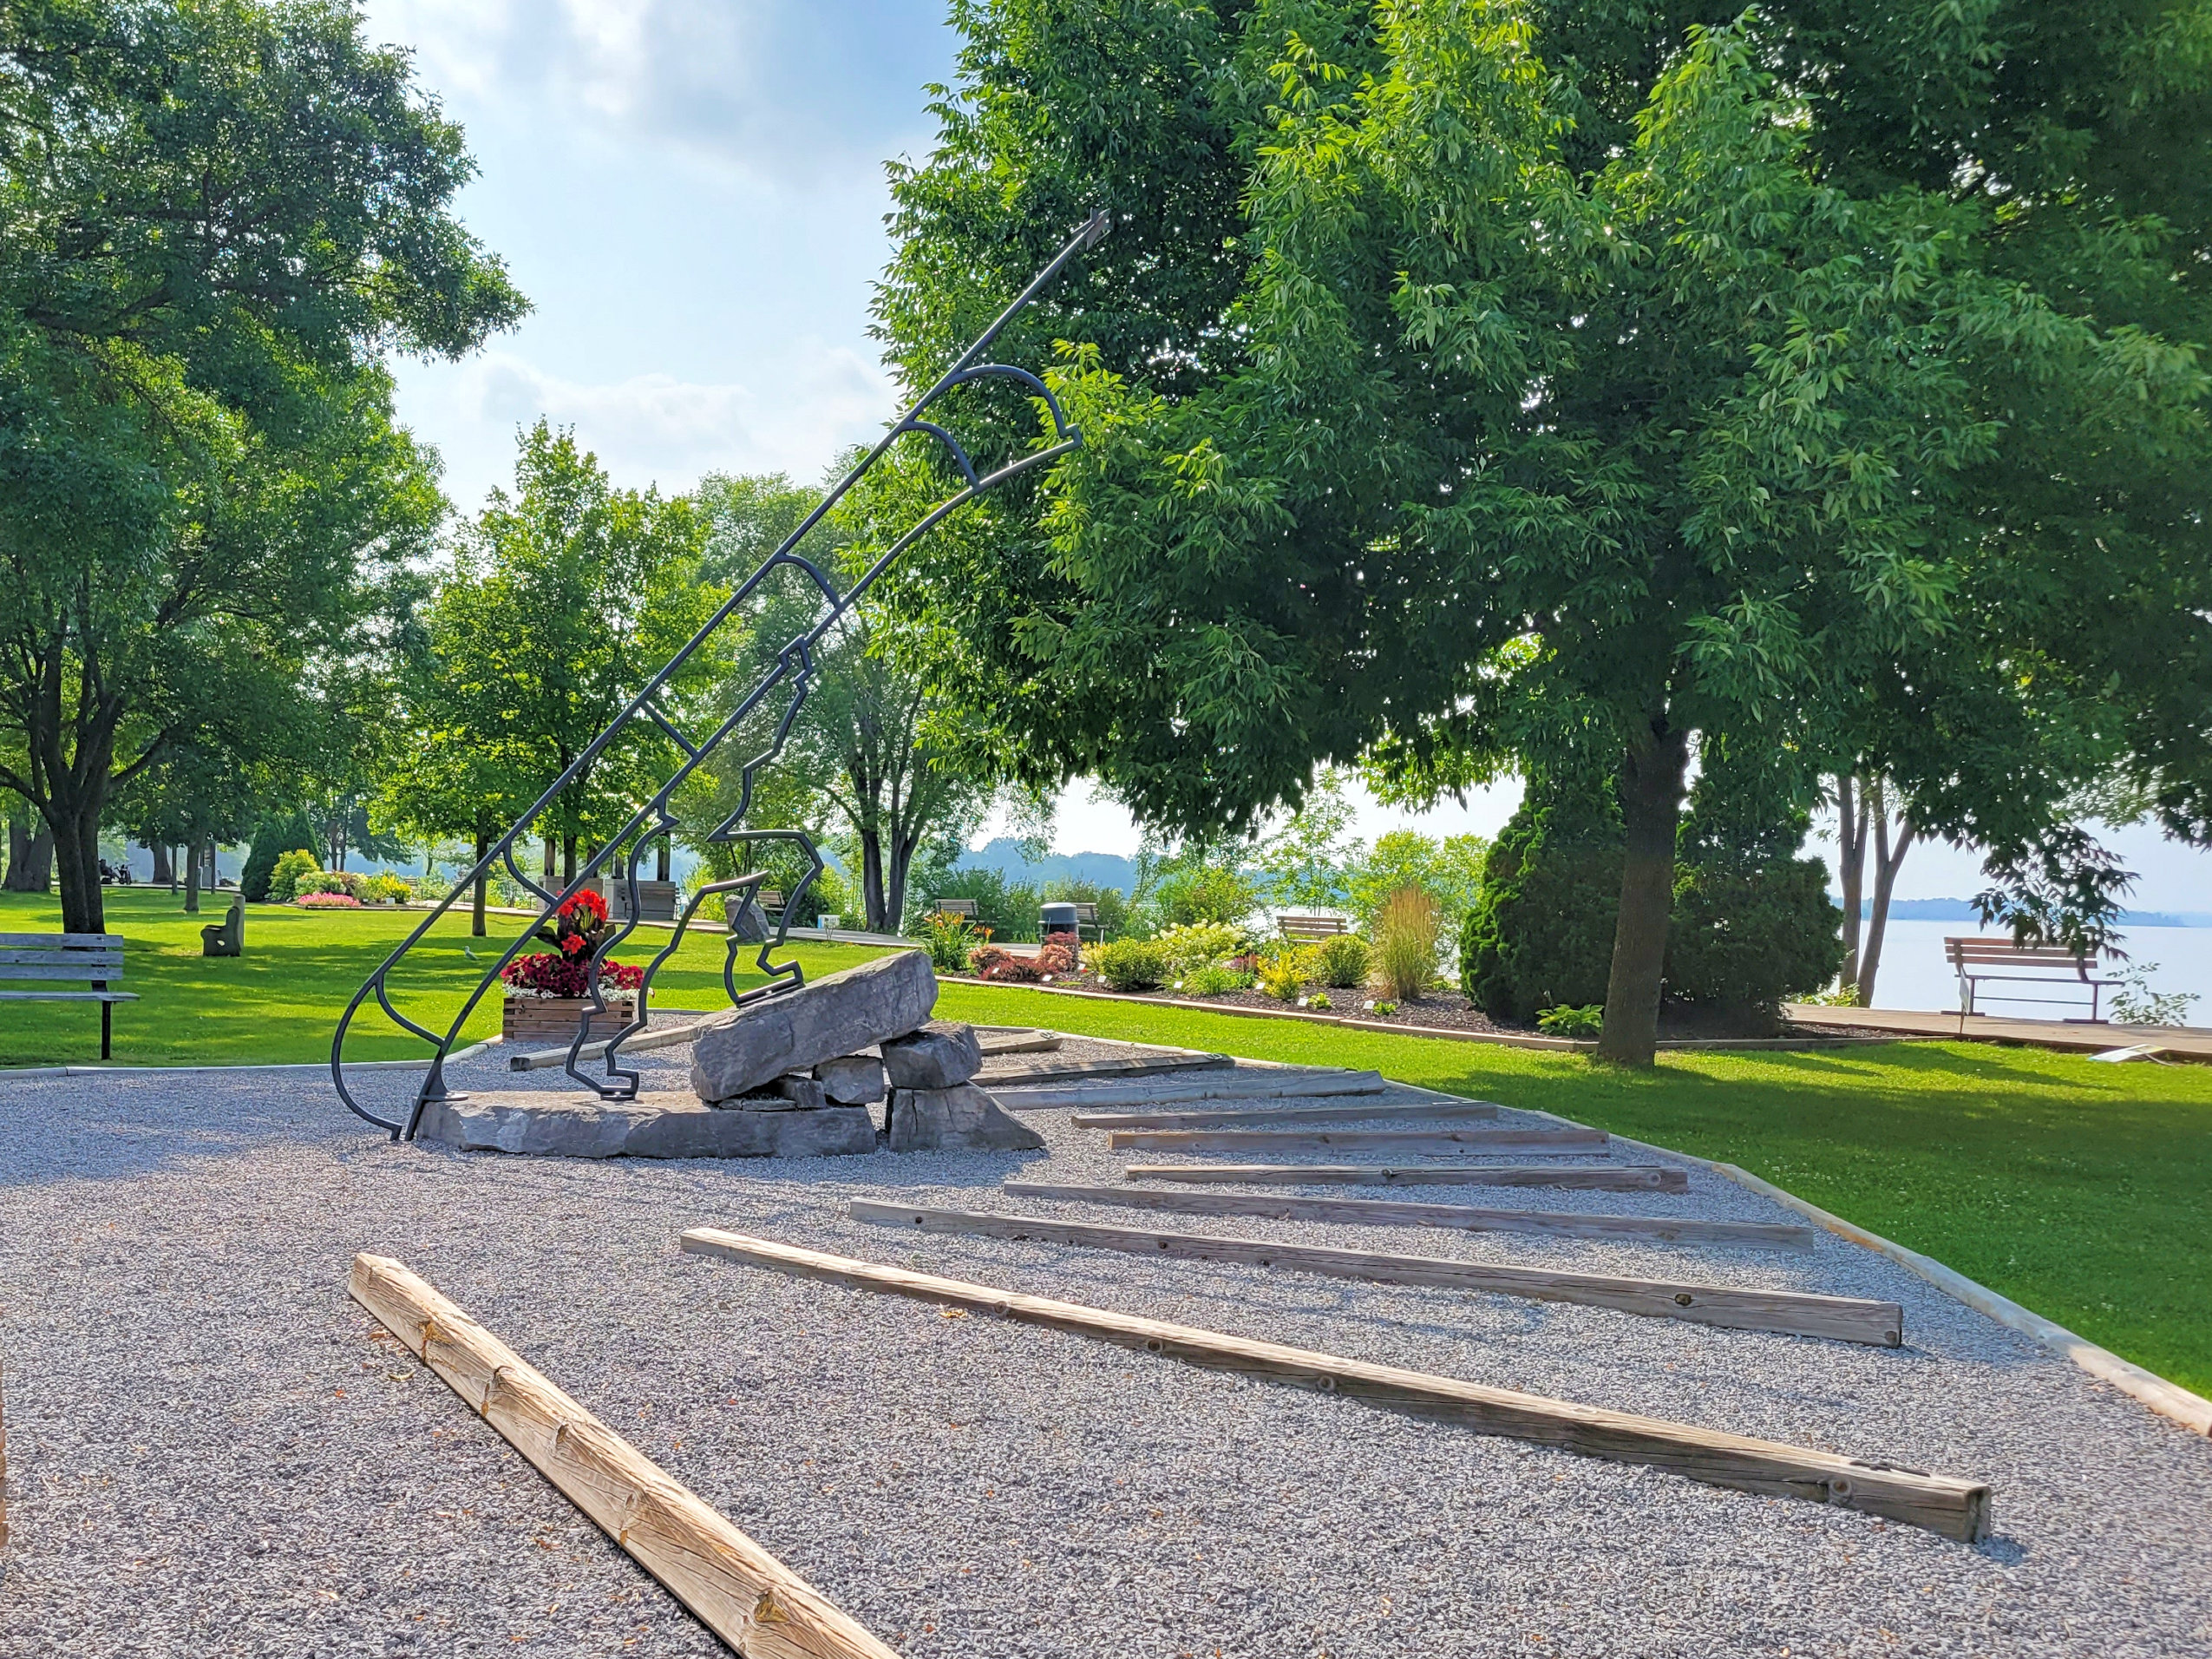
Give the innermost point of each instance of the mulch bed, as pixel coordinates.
(1436, 1010)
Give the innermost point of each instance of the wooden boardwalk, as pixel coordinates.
(2079, 1037)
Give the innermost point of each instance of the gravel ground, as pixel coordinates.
(211, 1457)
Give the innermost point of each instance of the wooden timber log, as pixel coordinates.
(1016, 1091)
(1843, 1319)
(742, 1593)
(1605, 1178)
(1238, 1118)
(1383, 1212)
(1346, 1140)
(1958, 1509)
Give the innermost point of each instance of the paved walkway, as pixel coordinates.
(2191, 1042)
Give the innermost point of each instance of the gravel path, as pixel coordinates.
(210, 1458)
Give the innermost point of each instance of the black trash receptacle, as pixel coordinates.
(1057, 919)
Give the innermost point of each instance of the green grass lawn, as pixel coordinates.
(2078, 1190)
(280, 1001)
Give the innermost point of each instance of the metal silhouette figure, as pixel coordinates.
(792, 674)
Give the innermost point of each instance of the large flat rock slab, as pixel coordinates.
(962, 1119)
(733, 1052)
(663, 1124)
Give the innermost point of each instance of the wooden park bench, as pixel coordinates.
(97, 958)
(967, 910)
(1977, 960)
(1311, 930)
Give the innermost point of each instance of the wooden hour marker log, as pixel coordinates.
(1957, 1509)
(1844, 1319)
(738, 1591)
(1419, 1112)
(1383, 1212)
(1393, 1140)
(1605, 1178)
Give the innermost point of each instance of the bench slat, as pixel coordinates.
(68, 996)
(78, 971)
(110, 942)
(63, 958)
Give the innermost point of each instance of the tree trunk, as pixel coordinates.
(192, 878)
(1651, 801)
(1851, 867)
(162, 876)
(665, 865)
(1887, 861)
(483, 881)
(18, 851)
(872, 879)
(568, 860)
(76, 861)
(552, 854)
(895, 897)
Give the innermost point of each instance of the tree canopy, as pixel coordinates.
(1475, 386)
(219, 216)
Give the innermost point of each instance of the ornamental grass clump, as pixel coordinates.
(1343, 961)
(1407, 930)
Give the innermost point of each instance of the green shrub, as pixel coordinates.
(1566, 1020)
(1540, 932)
(387, 890)
(1282, 978)
(1214, 981)
(1343, 961)
(1198, 893)
(273, 837)
(1747, 940)
(1197, 944)
(1407, 929)
(1129, 964)
(285, 878)
(1319, 999)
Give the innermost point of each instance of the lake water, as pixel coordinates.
(1914, 975)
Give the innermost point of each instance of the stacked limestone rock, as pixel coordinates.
(828, 1053)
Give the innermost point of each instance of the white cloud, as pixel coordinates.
(773, 87)
(650, 428)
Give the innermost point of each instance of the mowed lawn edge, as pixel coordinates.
(2082, 1191)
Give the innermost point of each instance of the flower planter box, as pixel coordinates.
(548, 1022)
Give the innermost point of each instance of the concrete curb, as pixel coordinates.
(292, 1066)
(2193, 1411)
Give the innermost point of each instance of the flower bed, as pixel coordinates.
(327, 902)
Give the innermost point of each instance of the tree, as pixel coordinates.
(220, 217)
(867, 749)
(1573, 383)
(563, 600)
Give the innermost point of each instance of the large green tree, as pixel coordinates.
(216, 217)
(563, 600)
(1482, 386)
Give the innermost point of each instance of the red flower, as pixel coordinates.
(573, 944)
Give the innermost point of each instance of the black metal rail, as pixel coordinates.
(792, 674)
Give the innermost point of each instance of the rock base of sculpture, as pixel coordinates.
(671, 1125)
(959, 1119)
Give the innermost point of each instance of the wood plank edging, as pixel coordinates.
(737, 1589)
(1954, 1508)
(1599, 1178)
(1407, 1140)
(1234, 1117)
(2168, 1399)
(1843, 1319)
(1387, 1212)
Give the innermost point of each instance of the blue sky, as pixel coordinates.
(691, 193)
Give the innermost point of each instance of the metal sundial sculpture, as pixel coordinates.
(793, 671)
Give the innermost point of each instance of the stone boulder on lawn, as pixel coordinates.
(735, 1052)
